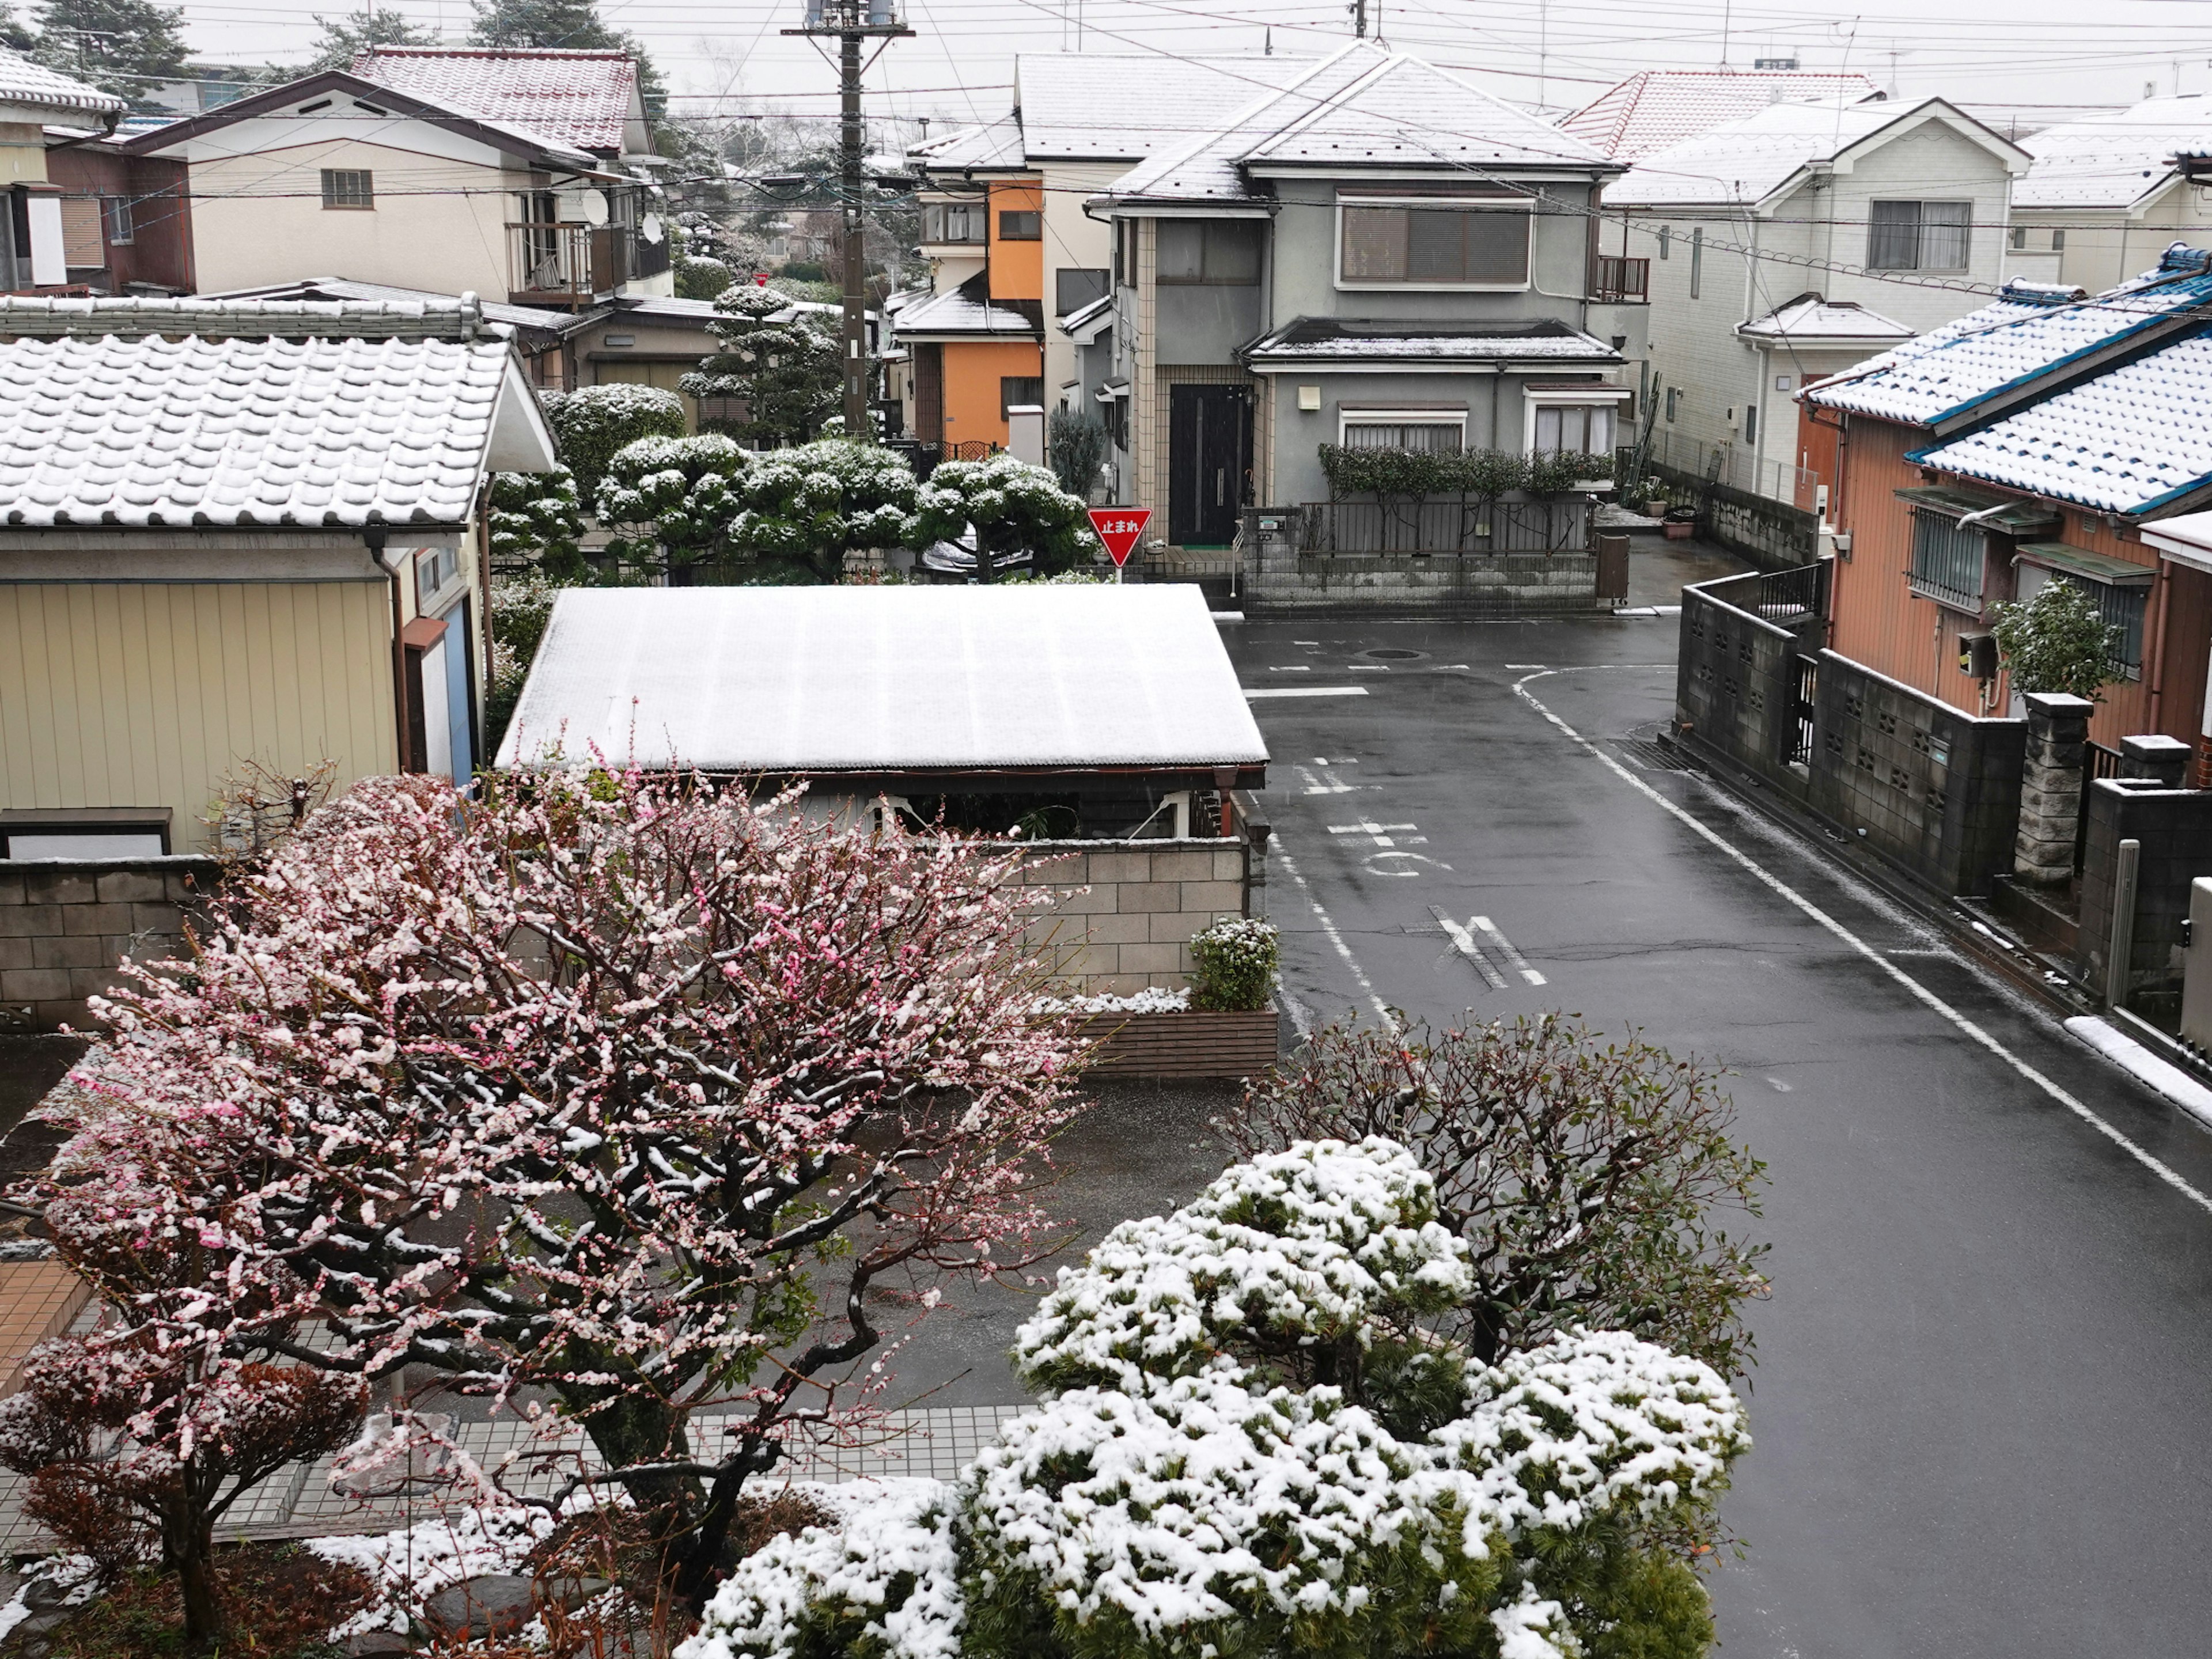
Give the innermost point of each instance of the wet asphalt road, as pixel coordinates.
(1980, 1401)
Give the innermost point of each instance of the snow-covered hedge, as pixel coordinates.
(1234, 962)
(591, 424)
(1250, 1446)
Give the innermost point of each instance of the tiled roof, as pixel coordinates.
(1657, 108)
(1329, 339)
(965, 310)
(2030, 331)
(108, 429)
(346, 290)
(404, 316)
(2113, 160)
(1126, 105)
(1363, 106)
(579, 98)
(1748, 160)
(1809, 319)
(2123, 441)
(23, 81)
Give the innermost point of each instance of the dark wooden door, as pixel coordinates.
(1209, 462)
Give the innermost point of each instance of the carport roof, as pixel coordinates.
(875, 680)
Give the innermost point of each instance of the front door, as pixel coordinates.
(1209, 462)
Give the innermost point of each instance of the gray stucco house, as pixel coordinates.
(1379, 254)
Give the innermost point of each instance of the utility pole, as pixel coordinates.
(851, 23)
(1360, 18)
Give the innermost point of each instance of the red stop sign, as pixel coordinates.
(1118, 528)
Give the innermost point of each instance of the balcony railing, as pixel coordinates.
(1621, 281)
(569, 263)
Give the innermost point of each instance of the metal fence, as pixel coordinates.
(1454, 524)
(2097, 761)
(1735, 465)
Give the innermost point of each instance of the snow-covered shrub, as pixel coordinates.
(673, 501)
(700, 277)
(778, 374)
(806, 508)
(1011, 506)
(1233, 963)
(2058, 639)
(1253, 1445)
(593, 423)
(538, 516)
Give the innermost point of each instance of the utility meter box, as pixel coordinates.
(2196, 967)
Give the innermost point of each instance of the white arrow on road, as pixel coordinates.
(1463, 942)
(1487, 926)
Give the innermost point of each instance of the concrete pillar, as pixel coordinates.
(2164, 760)
(2050, 787)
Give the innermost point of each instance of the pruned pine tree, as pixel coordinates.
(776, 374)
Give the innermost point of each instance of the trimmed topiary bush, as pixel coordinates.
(590, 425)
(701, 278)
(538, 516)
(1010, 506)
(1234, 965)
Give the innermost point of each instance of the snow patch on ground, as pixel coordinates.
(1140, 1002)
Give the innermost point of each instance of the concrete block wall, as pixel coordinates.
(2174, 828)
(1278, 576)
(65, 924)
(1773, 535)
(1130, 907)
(1734, 681)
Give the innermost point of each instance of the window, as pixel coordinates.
(1919, 235)
(1434, 244)
(951, 222)
(1947, 560)
(433, 567)
(1016, 390)
(1222, 252)
(1697, 258)
(2058, 242)
(1666, 236)
(1578, 429)
(1673, 400)
(1021, 225)
(1074, 288)
(2020, 236)
(1125, 250)
(120, 227)
(1440, 433)
(1751, 423)
(2119, 604)
(347, 189)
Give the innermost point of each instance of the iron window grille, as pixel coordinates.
(1947, 561)
(344, 187)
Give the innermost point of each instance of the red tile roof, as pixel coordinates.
(581, 99)
(1655, 108)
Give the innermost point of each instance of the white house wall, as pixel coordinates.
(1073, 240)
(2104, 247)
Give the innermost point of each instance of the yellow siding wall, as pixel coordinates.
(148, 694)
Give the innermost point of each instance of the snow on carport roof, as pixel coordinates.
(885, 679)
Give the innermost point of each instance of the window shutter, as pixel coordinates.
(81, 248)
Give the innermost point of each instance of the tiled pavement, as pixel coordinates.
(38, 1300)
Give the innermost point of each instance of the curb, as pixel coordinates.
(2160, 1075)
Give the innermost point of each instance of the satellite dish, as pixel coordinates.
(595, 207)
(650, 229)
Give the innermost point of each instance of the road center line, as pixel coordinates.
(2165, 1172)
(1277, 854)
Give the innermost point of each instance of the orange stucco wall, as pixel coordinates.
(1017, 267)
(972, 373)
(1878, 621)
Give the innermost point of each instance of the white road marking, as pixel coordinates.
(1382, 832)
(1367, 668)
(1253, 694)
(1290, 668)
(1374, 859)
(1315, 787)
(1300, 1020)
(1780, 1086)
(1517, 667)
(1486, 925)
(2157, 1166)
(1305, 642)
(1281, 854)
(1463, 942)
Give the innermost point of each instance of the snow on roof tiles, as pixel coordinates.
(2113, 160)
(886, 679)
(1747, 160)
(1657, 108)
(23, 81)
(1323, 339)
(961, 310)
(1362, 106)
(994, 146)
(1126, 105)
(579, 98)
(2025, 333)
(149, 431)
(2121, 442)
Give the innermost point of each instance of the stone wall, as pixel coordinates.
(2174, 829)
(65, 923)
(1127, 926)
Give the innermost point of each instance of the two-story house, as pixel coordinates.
(241, 532)
(1020, 273)
(1656, 109)
(33, 97)
(1379, 255)
(1790, 243)
(2110, 192)
(2036, 439)
(518, 175)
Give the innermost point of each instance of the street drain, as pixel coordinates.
(1392, 653)
(1653, 757)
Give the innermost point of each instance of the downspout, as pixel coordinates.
(2155, 641)
(373, 537)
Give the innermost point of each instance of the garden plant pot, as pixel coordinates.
(1679, 530)
(1188, 1044)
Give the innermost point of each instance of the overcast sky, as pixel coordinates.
(2045, 57)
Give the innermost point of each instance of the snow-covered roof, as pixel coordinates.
(1085, 323)
(340, 288)
(965, 311)
(1657, 108)
(995, 146)
(585, 98)
(1809, 319)
(2124, 441)
(886, 680)
(253, 316)
(24, 82)
(2115, 159)
(382, 425)
(2187, 538)
(1362, 107)
(1749, 160)
(1309, 340)
(1126, 105)
(2033, 329)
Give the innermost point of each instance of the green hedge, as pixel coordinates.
(1483, 473)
